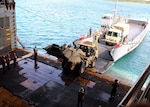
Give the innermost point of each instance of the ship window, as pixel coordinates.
(106, 17)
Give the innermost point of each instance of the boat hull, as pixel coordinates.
(122, 49)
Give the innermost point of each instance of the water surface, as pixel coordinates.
(44, 22)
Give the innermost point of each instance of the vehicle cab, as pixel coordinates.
(117, 33)
(89, 48)
(113, 36)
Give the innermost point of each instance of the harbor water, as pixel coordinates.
(44, 22)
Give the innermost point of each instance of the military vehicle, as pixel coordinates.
(81, 57)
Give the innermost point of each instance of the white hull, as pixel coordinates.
(129, 45)
(108, 55)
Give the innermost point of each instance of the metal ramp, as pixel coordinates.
(104, 61)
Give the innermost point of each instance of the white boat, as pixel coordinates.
(122, 43)
(118, 36)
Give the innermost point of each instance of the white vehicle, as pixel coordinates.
(117, 34)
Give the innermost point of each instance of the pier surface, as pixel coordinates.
(49, 86)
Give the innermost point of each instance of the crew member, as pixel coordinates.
(3, 63)
(8, 61)
(35, 56)
(63, 47)
(81, 93)
(114, 89)
(14, 59)
(90, 31)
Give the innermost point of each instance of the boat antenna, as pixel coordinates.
(115, 9)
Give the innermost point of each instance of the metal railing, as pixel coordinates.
(145, 97)
(132, 94)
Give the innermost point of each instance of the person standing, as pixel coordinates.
(114, 89)
(90, 31)
(14, 59)
(63, 47)
(81, 93)
(35, 56)
(8, 61)
(3, 63)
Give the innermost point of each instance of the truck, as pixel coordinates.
(117, 34)
(83, 56)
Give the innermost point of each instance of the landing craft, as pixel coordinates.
(117, 37)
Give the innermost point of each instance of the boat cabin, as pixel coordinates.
(106, 21)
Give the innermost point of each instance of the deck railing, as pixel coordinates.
(131, 96)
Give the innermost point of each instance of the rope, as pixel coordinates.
(35, 14)
(55, 23)
(43, 18)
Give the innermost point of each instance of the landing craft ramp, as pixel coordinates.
(104, 61)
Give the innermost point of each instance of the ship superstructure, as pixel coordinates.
(8, 38)
(48, 85)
